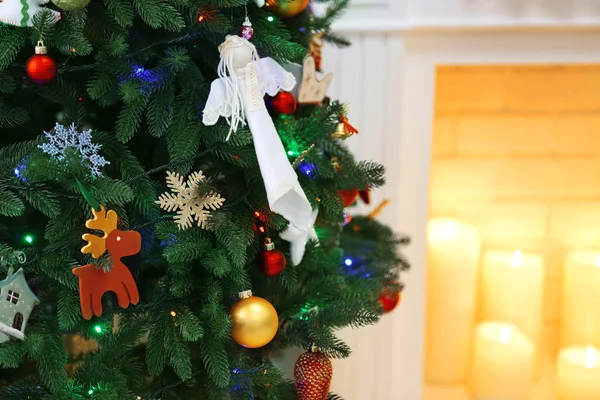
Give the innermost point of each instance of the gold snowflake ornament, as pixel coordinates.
(185, 198)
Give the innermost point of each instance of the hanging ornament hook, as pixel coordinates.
(40, 47)
(20, 256)
(87, 195)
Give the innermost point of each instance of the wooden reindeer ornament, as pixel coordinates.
(95, 281)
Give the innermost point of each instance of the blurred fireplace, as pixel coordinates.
(516, 155)
(396, 77)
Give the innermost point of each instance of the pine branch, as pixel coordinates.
(11, 41)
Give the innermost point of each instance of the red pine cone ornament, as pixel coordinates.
(41, 69)
(272, 261)
(283, 103)
(313, 372)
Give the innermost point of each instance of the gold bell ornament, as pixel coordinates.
(344, 130)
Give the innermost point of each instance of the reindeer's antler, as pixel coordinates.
(102, 221)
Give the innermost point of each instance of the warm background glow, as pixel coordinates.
(516, 154)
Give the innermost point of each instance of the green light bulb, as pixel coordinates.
(98, 329)
(270, 18)
(90, 391)
(290, 153)
(28, 239)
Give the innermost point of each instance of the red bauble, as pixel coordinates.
(283, 103)
(313, 372)
(389, 299)
(348, 196)
(272, 261)
(247, 32)
(41, 69)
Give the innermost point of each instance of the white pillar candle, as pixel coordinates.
(453, 252)
(578, 374)
(512, 291)
(581, 300)
(502, 363)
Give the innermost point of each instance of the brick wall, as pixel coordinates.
(516, 152)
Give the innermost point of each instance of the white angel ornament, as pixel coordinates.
(237, 95)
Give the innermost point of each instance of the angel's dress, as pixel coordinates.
(284, 192)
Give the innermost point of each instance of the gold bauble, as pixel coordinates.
(255, 321)
(287, 10)
(70, 5)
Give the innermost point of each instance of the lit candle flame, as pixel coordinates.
(449, 230)
(505, 335)
(516, 259)
(590, 357)
(598, 260)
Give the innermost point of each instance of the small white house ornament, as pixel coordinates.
(21, 12)
(16, 303)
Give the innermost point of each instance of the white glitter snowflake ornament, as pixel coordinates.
(186, 197)
(62, 138)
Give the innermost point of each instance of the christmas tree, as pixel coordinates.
(173, 193)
